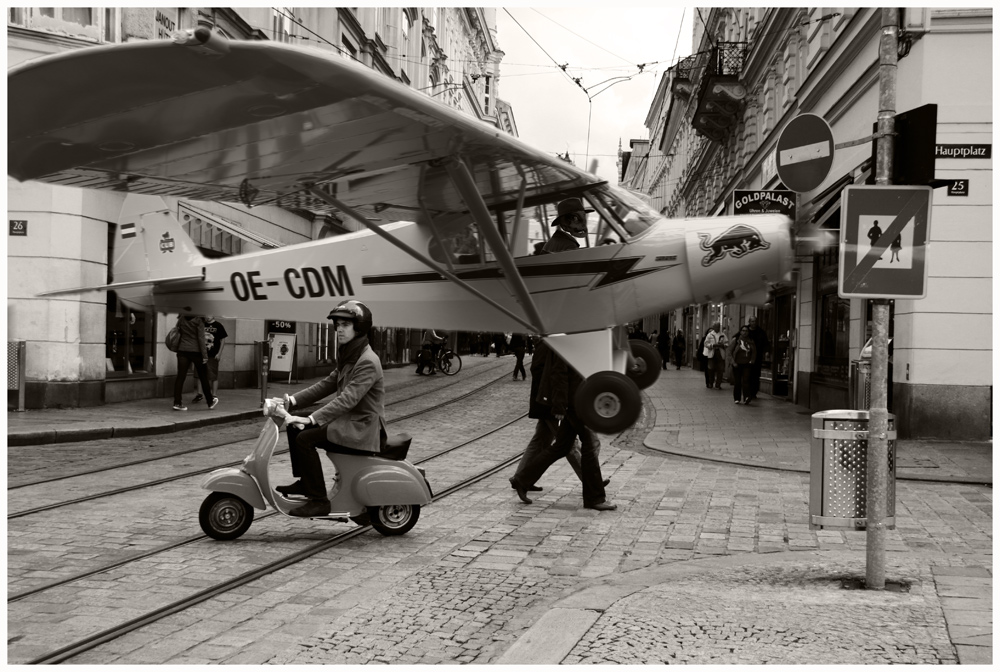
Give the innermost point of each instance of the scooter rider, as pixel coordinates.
(353, 422)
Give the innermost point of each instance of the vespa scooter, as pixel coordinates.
(382, 490)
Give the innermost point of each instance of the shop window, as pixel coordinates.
(833, 321)
(129, 346)
(129, 340)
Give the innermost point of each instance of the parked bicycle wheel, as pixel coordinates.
(449, 363)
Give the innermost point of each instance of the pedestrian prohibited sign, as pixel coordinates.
(883, 242)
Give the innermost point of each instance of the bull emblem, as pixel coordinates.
(739, 241)
(167, 243)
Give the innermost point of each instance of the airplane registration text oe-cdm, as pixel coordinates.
(446, 201)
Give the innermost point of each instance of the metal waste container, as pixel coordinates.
(838, 471)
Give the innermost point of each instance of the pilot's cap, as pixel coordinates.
(568, 205)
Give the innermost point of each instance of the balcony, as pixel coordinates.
(685, 77)
(721, 94)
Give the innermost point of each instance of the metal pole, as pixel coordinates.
(878, 416)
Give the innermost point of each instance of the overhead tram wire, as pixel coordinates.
(557, 64)
(578, 35)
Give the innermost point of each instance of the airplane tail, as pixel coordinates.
(150, 249)
(151, 245)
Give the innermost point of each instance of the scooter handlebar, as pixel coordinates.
(275, 407)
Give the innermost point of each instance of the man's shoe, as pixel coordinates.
(315, 507)
(296, 488)
(530, 488)
(215, 402)
(522, 493)
(198, 397)
(602, 506)
(606, 481)
(180, 407)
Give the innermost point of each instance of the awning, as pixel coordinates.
(226, 225)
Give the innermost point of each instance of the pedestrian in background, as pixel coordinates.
(742, 353)
(517, 346)
(192, 350)
(715, 351)
(703, 360)
(663, 347)
(500, 343)
(678, 345)
(430, 345)
(763, 345)
(215, 339)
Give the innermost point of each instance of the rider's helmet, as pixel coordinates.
(355, 311)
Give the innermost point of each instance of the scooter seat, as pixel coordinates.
(396, 446)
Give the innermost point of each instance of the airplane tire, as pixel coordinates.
(224, 516)
(608, 402)
(649, 363)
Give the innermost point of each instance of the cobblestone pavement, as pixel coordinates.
(703, 562)
(792, 612)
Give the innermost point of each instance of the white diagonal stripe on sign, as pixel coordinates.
(817, 150)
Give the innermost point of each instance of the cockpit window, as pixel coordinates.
(461, 242)
(628, 211)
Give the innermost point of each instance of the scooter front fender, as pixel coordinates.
(391, 483)
(237, 482)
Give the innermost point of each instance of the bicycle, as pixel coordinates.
(448, 362)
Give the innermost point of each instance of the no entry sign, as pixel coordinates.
(804, 153)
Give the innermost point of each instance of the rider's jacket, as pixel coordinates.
(354, 417)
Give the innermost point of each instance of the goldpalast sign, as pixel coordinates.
(761, 202)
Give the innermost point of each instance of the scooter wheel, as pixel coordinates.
(224, 516)
(394, 519)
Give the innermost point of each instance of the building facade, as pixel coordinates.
(714, 124)
(89, 349)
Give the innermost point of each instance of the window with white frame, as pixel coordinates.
(281, 24)
(86, 23)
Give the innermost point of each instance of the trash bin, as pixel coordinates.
(838, 471)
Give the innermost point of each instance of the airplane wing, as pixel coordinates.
(257, 122)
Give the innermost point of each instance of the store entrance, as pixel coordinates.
(776, 320)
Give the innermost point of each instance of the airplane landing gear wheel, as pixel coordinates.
(648, 362)
(608, 402)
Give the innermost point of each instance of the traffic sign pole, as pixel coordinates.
(878, 413)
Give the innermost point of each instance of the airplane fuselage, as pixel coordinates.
(580, 290)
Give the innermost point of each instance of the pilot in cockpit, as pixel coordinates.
(571, 223)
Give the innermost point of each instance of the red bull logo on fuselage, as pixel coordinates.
(739, 241)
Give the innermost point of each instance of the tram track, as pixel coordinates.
(116, 589)
(250, 437)
(93, 641)
(184, 542)
(188, 474)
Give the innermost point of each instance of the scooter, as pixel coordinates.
(382, 490)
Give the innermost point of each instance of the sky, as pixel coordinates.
(601, 45)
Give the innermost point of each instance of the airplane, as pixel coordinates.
(445, 201)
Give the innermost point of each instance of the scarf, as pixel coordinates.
(348, 354)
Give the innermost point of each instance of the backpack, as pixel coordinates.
(173, 339)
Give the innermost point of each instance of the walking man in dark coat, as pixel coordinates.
(762, 345)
